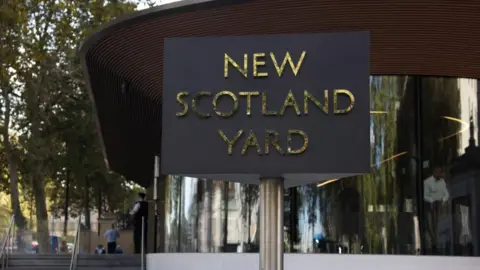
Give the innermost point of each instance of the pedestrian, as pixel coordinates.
(111, 235)
(119, 250)
(99, 249)
(140, 216)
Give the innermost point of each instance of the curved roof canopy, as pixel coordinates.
(123, 60)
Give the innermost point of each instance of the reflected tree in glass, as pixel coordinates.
(250, 197)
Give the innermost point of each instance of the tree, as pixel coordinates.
(13, 17)
(56, 121)
(250, 197)
(55, 153)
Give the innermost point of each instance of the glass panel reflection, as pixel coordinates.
(373, 213)
(210, 216)
(422, 195)
(449, 151)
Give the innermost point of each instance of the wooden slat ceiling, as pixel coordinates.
(123, 60)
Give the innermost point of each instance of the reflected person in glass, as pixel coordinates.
(435, 195)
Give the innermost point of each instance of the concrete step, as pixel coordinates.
(85, 262)
(38, 268)
(109, 260)
(99, 263)
(35, 263)
(40, 256)
(109, 256)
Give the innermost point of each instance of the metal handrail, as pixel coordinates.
(76, 246)
(4, 252)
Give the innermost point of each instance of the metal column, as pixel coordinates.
(271, 223)
(156, 175)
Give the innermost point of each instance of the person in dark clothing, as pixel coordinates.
(118, 250)
(100, 249)
(139, 213)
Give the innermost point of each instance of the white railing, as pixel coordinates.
(8, 243)
(76, 247)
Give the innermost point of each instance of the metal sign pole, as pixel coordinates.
(156, 175)
(142, 248)
(271, 223)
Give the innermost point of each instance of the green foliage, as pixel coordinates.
(46, 111)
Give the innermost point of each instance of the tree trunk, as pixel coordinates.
(14, 194)
(12, 167)
(30, 203)
(99, 209)
(43, 233)
(99, 202)
(38, 187)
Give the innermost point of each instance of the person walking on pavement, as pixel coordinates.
(139, 212)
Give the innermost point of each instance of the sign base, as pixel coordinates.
(271, 223)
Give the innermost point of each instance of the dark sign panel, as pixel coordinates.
(283, 105)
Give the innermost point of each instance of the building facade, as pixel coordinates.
(420, 126)
(422, 195)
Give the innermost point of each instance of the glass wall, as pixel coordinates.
(210, 216)
(372, 213)
(450, 155)
(422, 195)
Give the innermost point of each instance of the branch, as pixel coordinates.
(48, 21)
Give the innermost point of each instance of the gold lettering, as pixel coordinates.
(290, 102)
(229, 60)
(258, 62)
(288, 59)
(300, 150)
(349, 94)
(195, 99)
(251, 141)
(274, 142)
(249, 99)
(307, 96)
(183, 103)
(235, 104)
(230, 143)
(265, 110)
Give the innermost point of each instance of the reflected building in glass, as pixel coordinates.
(422, 195)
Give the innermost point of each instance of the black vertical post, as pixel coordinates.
(419, 161)
(155, 229)
(67, 200)
(293, 217)
(200, 198)
(226, 195)
(99, 207)
(478, 111)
